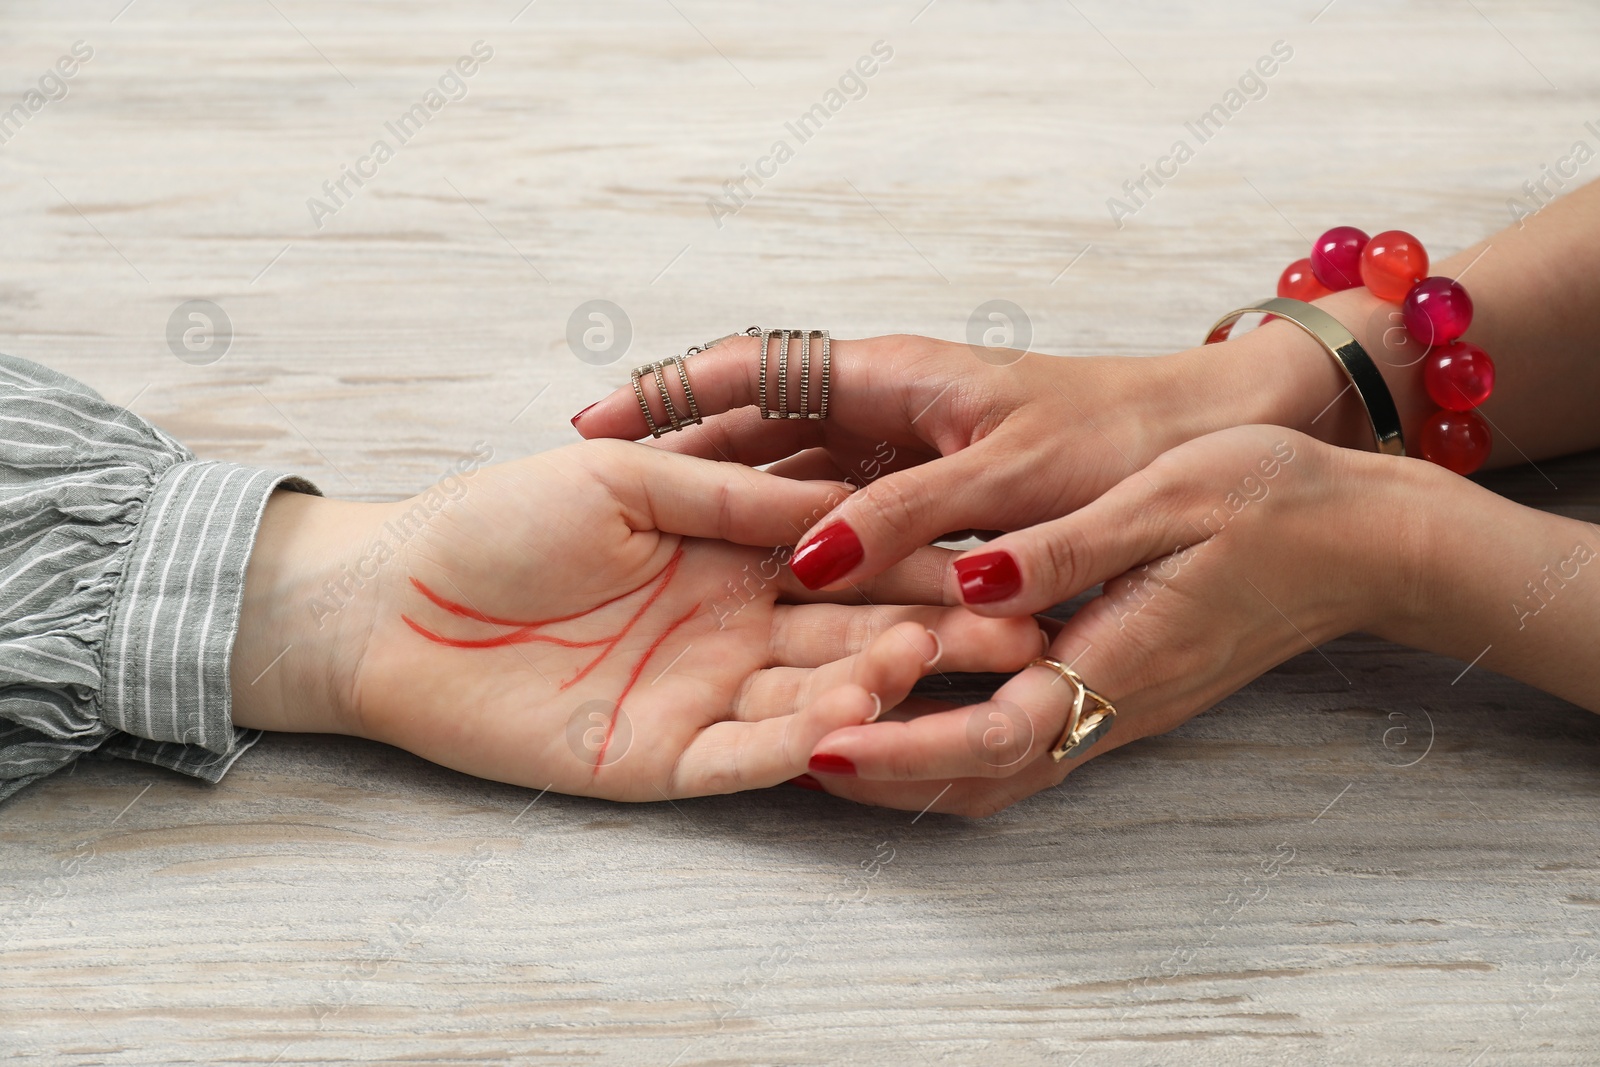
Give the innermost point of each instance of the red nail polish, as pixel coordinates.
(824, 763)
(805, 781)
(988, 577)
(827, 557)
(582, 413)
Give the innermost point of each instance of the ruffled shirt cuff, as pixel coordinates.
(167, 653)
(122, 567)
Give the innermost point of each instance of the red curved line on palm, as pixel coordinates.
(666, 580)
(633, 679)
(477, 616)
(518, 637)
(524, 632)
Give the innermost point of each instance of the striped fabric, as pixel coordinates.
(122, 562)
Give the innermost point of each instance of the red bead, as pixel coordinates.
(1336, 257)
(1297, 282)
(1458, 376)
(1456, 440)
(1437, 311)
(1392, 263)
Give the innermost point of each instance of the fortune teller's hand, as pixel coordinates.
(587, 620)
(948, 438)
(1221, 559)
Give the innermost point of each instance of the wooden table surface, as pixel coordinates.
(1368, 856)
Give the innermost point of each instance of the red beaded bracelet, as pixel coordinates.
(1457, 374)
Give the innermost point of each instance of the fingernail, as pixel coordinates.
(877, 707)
(827, 557)
(988, 577)
(582, 413)
(805, 781)
(938, 648)
(825, 763)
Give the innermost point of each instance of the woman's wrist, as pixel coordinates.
(1279, 375)
(1271, 375)
(1496, 584)
(293, 664)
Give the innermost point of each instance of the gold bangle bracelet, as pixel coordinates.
(1346, 351)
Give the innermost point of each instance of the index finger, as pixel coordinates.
(727, 376)
(704, 498)
(723, 377)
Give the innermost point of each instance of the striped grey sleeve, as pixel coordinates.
(122, 563)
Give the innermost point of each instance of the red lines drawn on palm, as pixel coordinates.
(519, 632)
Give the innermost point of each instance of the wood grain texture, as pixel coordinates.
(1365, 857)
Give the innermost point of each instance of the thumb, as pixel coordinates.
(704, 498)
(889, 519)
(1031, 570)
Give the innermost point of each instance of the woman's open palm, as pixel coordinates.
(591, 620)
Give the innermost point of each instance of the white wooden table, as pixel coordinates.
(1390, 862)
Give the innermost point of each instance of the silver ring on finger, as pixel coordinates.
(821, 369)
(676, 420)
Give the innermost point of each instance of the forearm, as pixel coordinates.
(1535, 289)
(1536, 299)
(1518, 587)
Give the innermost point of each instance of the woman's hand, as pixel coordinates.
(1221, 559)
(947, 438)
(587, 620)
(989, 439)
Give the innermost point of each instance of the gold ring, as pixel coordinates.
(1085, 725)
